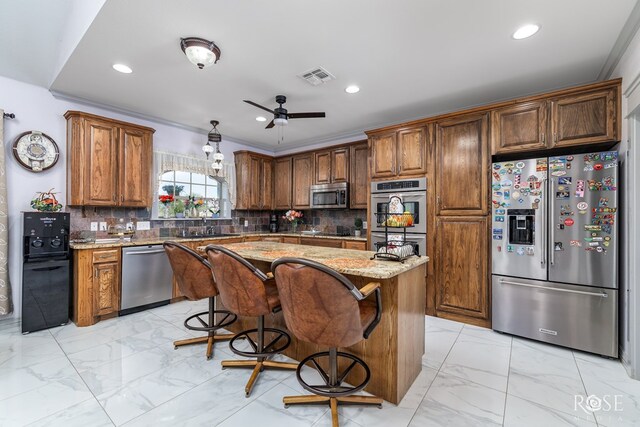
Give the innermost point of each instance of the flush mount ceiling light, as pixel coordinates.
(352, 89)
(526, 31)
(200, 52)
(214, 137)
(261, 119)
(122, 68)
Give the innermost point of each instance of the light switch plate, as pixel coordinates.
(94, 226)
(364, 224)
(103, 226)
(143, 225)
(246, 223)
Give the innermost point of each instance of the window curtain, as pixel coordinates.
(5, 289)
(164, 162)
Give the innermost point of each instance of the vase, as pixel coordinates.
(294, 227)
(194, 212)
(179, 214)
(162, 211)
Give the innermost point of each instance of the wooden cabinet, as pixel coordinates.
(325, 243)
(585, 118)
(462, 266)
(303, 173)
(354, 244)
(519, 127)
(109, 162)
(412, 151)
(359, 176)
(462, 166)
(332, 166)
(401, 153)
(254, 181)
(383, 155)
(96, 284)
(282, 183)
(274, 239)
(291, 240)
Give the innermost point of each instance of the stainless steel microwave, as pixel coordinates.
(328, 196)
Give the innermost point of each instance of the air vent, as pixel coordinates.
(317, 76)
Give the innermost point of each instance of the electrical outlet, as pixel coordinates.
(246, 223)
(364, 224)
(103, 226)
(94, 226)
(143, 225)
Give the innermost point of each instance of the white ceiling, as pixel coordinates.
(411, 58)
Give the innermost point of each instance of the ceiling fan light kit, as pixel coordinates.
(200, 52)
(281, 116)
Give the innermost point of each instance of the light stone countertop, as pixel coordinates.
(160, 240)
(346, 261)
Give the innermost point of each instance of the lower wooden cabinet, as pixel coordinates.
(106, 288)
(96, 284)
(462, 269)
(326, 243)
(352, 244)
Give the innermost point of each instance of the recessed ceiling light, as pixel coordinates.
(526, 31)
(261, 119)
(122, 68)
(352, 89)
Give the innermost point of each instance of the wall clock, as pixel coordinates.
(35, 151)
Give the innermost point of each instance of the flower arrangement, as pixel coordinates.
(193, 202)
(166, 199)
(293, 216)
(46, 202)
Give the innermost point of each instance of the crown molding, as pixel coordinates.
(627, 33)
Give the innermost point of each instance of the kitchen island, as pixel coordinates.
(394, 350)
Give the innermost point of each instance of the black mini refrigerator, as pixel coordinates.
(46, 270)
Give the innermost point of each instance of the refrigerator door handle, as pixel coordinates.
(526, 285)
(545, 244)
(552, 230)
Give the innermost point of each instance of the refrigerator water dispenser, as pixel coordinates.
(521, 226)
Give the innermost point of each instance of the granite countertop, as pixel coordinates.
(346, 261)
(160, 240)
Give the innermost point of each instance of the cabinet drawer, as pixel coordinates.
(349, 244)
(326, 243)
(110, 255)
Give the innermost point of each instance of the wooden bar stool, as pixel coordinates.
(193, 274)
(323, 307)
(247, 291)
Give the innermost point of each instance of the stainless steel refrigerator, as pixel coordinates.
(555, 251)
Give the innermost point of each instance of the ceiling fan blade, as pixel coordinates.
(305, 115)
(270, 125)
(259, 106)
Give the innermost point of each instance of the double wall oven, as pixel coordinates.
(413, 193)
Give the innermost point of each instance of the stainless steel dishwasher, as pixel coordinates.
(146, 278)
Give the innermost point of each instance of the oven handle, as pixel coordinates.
(385, 196)
(526, 285)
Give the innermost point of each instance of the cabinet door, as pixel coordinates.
(520, 127)
(326, 243)
(587, 118)
(358, 183)
(462, 163)
(282, 183)
(412, 151)
(461, 272)
(340, 165)
(266, 186)
(383, 155)
(135, 168)
(323, 167)
(106, 288)
(349, 244)
(254, 184)
(101, 163)
(302, 180)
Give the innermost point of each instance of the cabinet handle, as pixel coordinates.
(113, 198)
(542, 137)
(439, 201)
(95, 273)
(555, 137)
(122, 198)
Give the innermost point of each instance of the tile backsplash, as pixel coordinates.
(326, 220)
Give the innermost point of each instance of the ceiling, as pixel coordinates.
(411, 59)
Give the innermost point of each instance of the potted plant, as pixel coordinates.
(178, 208)
(358, 227)
(165, 201)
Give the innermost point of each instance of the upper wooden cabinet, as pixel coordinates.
(110, 162)
(359, 176)
(462, 162)
(282, 183)
(254, 181)
(519, 127)
(401, 153)
(332, 166)
(303, 173)
(585, 118)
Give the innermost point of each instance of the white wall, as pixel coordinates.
(36, 109)
(629, 69)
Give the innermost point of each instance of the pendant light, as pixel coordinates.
(214, 137)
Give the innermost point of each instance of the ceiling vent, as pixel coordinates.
(317, 76)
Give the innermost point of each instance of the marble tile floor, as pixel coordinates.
(124, 371)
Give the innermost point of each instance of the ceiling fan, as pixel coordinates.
(281, 116)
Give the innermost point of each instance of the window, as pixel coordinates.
(186, 194)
